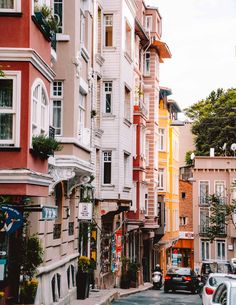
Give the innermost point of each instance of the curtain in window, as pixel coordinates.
(6, 123)
(7, 4)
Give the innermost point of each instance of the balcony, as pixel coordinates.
(206, 200)
(204, 229)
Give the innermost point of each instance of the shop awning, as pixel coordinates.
(163, 48)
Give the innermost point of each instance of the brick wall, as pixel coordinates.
(186, 205)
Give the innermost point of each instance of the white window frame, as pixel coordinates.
(106, 93)
(209, 247)
(148, 28)
(146, 71)
(221, 257)
(161, 176)
(36, 128)
(82, 27)
(57, 97)
(162, 139)
(128, 44)
(103, 162)
(223, 183)
(81, 115)
(104, 29)
(16, 108)
(16, 8)
(199, 190)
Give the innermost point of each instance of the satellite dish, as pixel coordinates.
(224, 146)
(84, 179)
(233, 147)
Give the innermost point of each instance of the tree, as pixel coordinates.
(214, 121)
(221, 215)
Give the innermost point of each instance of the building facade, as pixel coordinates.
(212, 175)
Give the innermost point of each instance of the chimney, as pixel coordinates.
(212, 152)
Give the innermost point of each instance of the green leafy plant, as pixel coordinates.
(43, 147)
(28, 291)
(84, 264)
(46, 18)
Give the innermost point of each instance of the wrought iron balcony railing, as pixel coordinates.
(204, 230)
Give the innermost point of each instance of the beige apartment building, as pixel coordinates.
(212, 175)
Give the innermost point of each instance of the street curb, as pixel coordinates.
(117, 294)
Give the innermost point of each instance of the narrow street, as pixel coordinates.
(151, 297)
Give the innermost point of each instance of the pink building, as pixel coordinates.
(212, 175)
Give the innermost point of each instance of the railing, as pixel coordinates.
(57, 231)
(204, 230)
(207, 200)
(51, 132)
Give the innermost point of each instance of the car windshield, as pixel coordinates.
(215, 281)
(180, 271)
(233, 295)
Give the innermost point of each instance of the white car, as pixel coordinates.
(225, 293)
(213, 281)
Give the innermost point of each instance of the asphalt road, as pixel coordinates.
(155, 297)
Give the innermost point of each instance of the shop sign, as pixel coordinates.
(85, 211)
(10, 219)
(186, 235)
(49, 213)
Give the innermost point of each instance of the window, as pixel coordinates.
(220, 190)
(58, 14)
(71, 276)
(220, 250)
(146, 203)
(148, 23)
(161, 179)
(183, 221)
(40, 109)
(127, 104)
(183, 195)
(128, 45)
(108, 96)
(205, 249)
(126, 168)
(147, 58)
(204, 192)
(108, 30)
(162, 144)
(10, 5)
(57, 107)
(204, 220)
(107, 159)
(99, 30)
(56, 287)
(176, 184)
(81, 118)
(82, 27)
(10, 109)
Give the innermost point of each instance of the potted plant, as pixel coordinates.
(83, 277)
(44, 147)
(32, 258)
(125, 276)
(133, 269)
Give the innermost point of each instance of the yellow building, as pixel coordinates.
(168, 169)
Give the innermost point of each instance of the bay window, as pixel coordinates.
(10, 108)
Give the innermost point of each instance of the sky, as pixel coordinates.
(201, 35)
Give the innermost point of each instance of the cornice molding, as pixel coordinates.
(28, 55)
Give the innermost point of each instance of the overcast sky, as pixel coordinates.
(201, 35)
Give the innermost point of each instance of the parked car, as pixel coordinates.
(213, 281)
(181, 279)
(225, 293)
(215, 267)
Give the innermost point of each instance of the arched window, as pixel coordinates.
(56, 287)
(71, 276)
(40, 108)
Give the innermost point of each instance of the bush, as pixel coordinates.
(43, 147)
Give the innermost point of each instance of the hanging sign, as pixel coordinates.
(85, 211)
(10, 219)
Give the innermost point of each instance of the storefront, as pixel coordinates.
(183, 251)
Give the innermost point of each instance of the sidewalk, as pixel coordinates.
(106, 296)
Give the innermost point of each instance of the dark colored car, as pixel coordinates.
(215, 267)
(181, 279)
